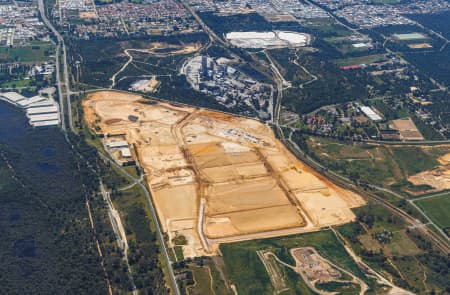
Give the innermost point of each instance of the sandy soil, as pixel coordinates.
(161, 49)
(438, 178)
(407, 129)
(419, 45)
(250, 184)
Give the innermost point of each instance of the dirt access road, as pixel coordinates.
(216, 177)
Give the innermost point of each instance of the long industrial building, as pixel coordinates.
(41, 111)
(43, 117)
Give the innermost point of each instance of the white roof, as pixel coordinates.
(117, 144)
(13, 96)
(370, 113)
(45, 123)
(359, 45)
(45, 117)
(125, 152)
(45, 103)
(25, 103)
(42, 110)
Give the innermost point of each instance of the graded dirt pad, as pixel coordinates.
(407, 129)
(215, 177)
(161, 49)
(438, 178)
(419, 45)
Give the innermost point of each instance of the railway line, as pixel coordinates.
(438, 241)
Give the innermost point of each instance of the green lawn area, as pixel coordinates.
(414, 160)
(247, 272)
(18, 83)
(328, 27)
(401, 245)
(179, 252)
(34, 53)
(342, 288)
(437, 209)
(369, 243)
(360, 60)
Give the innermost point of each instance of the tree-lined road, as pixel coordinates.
(65, 97)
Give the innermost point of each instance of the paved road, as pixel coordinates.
(58, 53)
(432, 196)
(65, 82)
(156, 222)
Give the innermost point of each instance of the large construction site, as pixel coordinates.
(215, 177)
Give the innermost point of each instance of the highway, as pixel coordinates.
(65, 82)
(155, 221)
(212, 36)
(57, 61)
(65, 73)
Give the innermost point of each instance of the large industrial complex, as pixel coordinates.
(41, 111)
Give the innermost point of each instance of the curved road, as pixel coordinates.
(65, 82)
(156, 222)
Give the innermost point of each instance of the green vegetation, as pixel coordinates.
(248, 273)
(244, 22)
(46, 238)
(428, 132)
(435, 64)
(327, 27)
(179, 240)
(342, 288)
(422, 160)
(402, 245)
(383, 165)
(33, 53)
(437, 209)
(368, 59)
(389, 247)
(144, 254)
(284, 59)
(202, 281)
(333, 85)
(179, 253)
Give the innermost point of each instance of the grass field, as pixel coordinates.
(327, 27)
(18, 83)
(202, 281)
(383, 165)
(179, 252)
(35, 53)
(401, 245)
(437, 209)
(368, 59)
(247, 272)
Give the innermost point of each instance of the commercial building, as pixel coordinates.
(370, 113)
(43, 117)
(42, 110)
(12, 97)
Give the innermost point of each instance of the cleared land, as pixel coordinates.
(215, 177)
(420, 46)
(438, 178)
